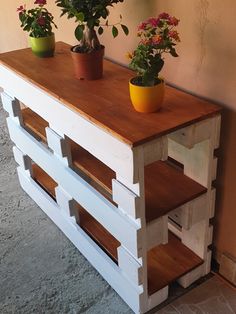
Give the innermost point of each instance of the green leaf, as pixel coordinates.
(100, 30)
(173, 53)
(80, 16)
(79, 32)
(125, 29)
(115, 31)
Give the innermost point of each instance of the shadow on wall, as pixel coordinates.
(225, 218)
(219, 79)
(133, 12)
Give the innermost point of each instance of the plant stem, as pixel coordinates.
(90, 39)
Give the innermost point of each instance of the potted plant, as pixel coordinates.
(157, 36)
(38, 22)
(88, 53)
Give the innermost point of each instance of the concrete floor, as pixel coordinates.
(42, 272)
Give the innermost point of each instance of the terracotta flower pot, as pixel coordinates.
(88, 65)
(43, 47)
(147, 99)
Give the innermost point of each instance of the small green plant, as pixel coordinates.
(88, 15)
(37, 21)
(157, 36)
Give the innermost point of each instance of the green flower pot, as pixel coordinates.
(43, 47)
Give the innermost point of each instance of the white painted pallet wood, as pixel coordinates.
(192, 146)
(114, 153)
(98, 206)
(198, 132)
(132, 294)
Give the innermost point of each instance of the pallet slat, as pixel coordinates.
(44, 180)
(166, 263)
(98, 233)
(90, 225)
(162, 195)
(35, 123)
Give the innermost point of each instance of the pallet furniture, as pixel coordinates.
(132, 191)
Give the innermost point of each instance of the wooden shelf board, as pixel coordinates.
(35, 123)
(44, 180)
(96, 170)
(168, 262)
(110, 111)
(98, 233)
(90, 225)
(166, 187)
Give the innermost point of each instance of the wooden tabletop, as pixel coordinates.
(106, 102)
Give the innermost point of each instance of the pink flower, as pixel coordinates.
(153, 21)
(41, 21)
(174, 35)
(40, 2)
(142, 26)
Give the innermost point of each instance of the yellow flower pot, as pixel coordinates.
(43, 47)
(147, 99)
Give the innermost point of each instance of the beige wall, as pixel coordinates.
(206, 66)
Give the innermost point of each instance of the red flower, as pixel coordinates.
(153, 21)
(40, 2)
(174, 35)
(142, 26)
(21, 9)
(164, 16)
(173, 21)
(41, 21)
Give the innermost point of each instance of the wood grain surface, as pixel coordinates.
(106, 102)
(35, 123)
(168, 262)
(165, 263)
(166, 187)
(98, 233)
(90, 225)
(44, 180)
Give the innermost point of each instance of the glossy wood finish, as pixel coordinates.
(98, 233)
(166, 187)
(96, 170)
(106, 102)
(35, 123)
(44, 180)
(90, 225)
(167, 263)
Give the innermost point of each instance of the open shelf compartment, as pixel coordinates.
(44, 180)
(35, 124)
(166, 263)
(90, 225)
(166, 187)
